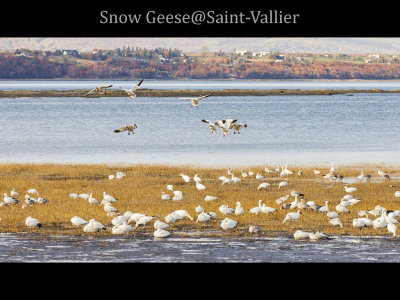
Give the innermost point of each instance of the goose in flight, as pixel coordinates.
(236, 127)
(225, 125)
(98, 90)
(195, 101)
(213, 126)
(128, 128)
(131, 91)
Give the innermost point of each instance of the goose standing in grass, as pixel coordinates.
(184, 214)
(226, 210)
(263, 185)
(383, 174)
(287, 171)
(108, 197)
(199, 209)
(78, 221)
(32, 191)
(244, 174)
(100, 90)
(254, 229)
(267, 170)
(257, 209)
(91, 199)
(186, 178)
(109, 208)
(160, 225)
(317, 172)
(251, 173)
(203, 217)
(236, 179)
(32, 222)
(350, 189)
(281, 200)
(170, 187)
(93, 226)
(84, 196)
(42, 200)
(161, 233)
(227, 181)
(266, 209)
(170, 218)
(29, 200)
(397, 194)
(332, 170)
(361, 176)
(212, 126)
(13, 193)
(197, 178)
(229, 171)
(341, 209)
(178, 196)
(74, 195)
(195, 101)
(239, 210)
(300, 172)
(9, 200)
(228, 223)
(129, 128)
(260, 177)
(332, 214)
(325, 208)
(283, 173)
(123, 228)
(200, 186)
(210, 198)
(336, 222)
(131, 92)
(165, 196)
(144, 220)
(294, 216)
(283, 184)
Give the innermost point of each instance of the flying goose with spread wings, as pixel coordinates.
(131, 91)
(213, 126)
(195, 101)
(98, 90)
(225, 125)
(128, 128)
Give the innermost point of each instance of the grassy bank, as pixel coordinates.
(140, 191)
(185, 93)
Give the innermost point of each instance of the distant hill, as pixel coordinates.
(313, 45)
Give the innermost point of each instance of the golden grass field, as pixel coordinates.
(140, 191)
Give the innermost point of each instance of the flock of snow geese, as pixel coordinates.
(123, 223)
(223, 125)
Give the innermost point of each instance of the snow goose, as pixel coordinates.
(225, 125)
(287, 171)
(135, 217)
(185, 177)
(294, 216)
(260, 177)
(239, 210)
(32, 222)
(300, 172)
(254, 229)
(226, 210)
(361, 176)
(131, 92)
(266, 209)
(161, 233)
(301, 235)
(383, 174)
(283, 173)
(195, 101)
(336, 222)
(78, 221)
(91, 199)
(118, 220)
(212, 126)
(29, 200)
(228, 223)
(210, 198)
(392, 228)
(359, 223)
(160, 225)
(354, 201)
(227, 181)
(257, 209)
(165, 196)
(123, 228)
(332, 170)
(170, 218)
(129, 128)
(389, 219)
(84, 196)
(74, 195)
(251, 173)
(236, 127)
(283, 184)
(93, 226)
(42, 200)
(362, 213)
(199, 209)
(350, 189)
(325, 208)
(144, 220)
(197, 178)
(13, 193)
(397, 194)
(229, 171)
(294, 204)
(212, 214)
(341, 209)
(203, 217)
(317, 172)
(267, 170)
(316, 236)
(282, 199)
(32, 191)
(98, 90)
(244, 174)
(178, 196)
(200, 186)
(184, 214)
(109, 208)
(111, 177)
(108, 197)
(332, 214)
(170, 187)
(9, 200)
(236, 179)
(263, 185)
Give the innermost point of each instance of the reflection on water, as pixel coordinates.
(38, 248)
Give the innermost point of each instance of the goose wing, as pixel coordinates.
(136, 86)
(105, 87)
(202, 97)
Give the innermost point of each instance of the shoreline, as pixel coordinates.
(188, 92)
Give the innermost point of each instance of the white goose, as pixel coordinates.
(32, 191)
(200, 186)
(185, 177)
(178, 196)
(160, 225)
(165, 196)
(130, 128)
(13, 193)
(195, 101)
(10, 200)
(392, 228)
(199, 209)
(203, 217)
(212, 126)
(301, 235)
(350, 189)
(336, 222)
(108, 197)
(283, 184)
(144, 220)
(184, 214)
(161, 233)
(197, 178)
(131, 91)
(170, 187)
(32, 222)
(287, 171)
(260, 177)
(267, 210)
(263, 185)
(78, 221)
(226, 210)
(257, 209)
(282, 199)
(210, 198)
(91, 199)
(397, 194)
(294, 216)
(225, 125)
(228, 223)
(98, 90)
(254, 229)
(93, 226)
(383, 174)
(239, 210)
(123, 228)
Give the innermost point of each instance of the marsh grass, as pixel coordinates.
(140, 191)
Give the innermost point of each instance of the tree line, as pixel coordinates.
(41, 67)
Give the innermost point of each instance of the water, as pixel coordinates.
(281, 129)
(199, 84)
(178, 249)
